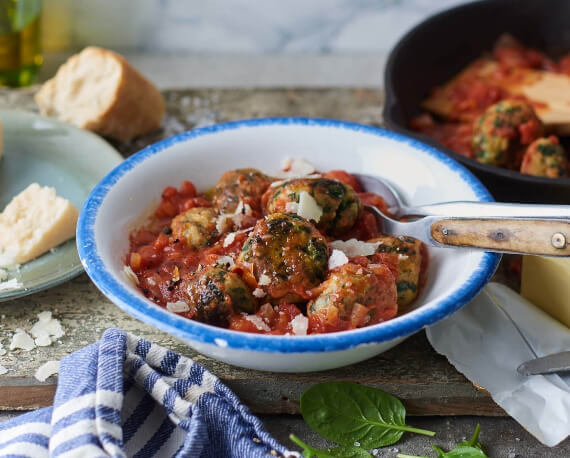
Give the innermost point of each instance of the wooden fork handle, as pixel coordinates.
(546, 238)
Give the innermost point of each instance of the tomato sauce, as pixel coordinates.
(161, 261)
(472, 93)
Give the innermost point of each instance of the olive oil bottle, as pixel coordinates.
(20, 42)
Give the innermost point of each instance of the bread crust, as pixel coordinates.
(136, 106)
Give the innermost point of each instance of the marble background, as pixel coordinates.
(234, 26)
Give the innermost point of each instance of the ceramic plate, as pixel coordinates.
(51, 153)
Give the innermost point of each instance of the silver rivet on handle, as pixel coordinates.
(558, 240)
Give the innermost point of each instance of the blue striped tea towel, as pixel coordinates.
(124, 396)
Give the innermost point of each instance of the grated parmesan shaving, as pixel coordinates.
(229, 239)
(296, 167)
(10, 284)
(308, 207)
(337, 259)
(47, 328)
(224, 222)
(259, 293)
(21, 339)
(264, 280)
(130, 275)
(402, 257)
(299, 325)
(257, 321)
(46, 370)
(353, 247)
(292, 207)
(177, 307)
(225, 261)
(243, 209)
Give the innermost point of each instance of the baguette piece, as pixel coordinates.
(99, 90)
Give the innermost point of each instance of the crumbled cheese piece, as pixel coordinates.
(299, 325)
(131, 275)
(21, 339)
(43, 340)
(257, 321)
(47, 327)
(291, 207)
(3, 275)
(224, 222)
(264, 280)
(34, 221)
(151, 281)
(296, 167)
(402, 257)
(224, 261)
(10, 284)
(308, 207)
(355, 247)
(243, 209)
(259, 293)
(3, 370)
(46, 370)
(177, 307)
(229, 239)
(336, 259)
(221, 342)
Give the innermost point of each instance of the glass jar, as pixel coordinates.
(20, 42)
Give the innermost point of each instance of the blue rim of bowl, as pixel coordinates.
(189, 330)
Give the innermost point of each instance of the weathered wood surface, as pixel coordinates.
(425, 381)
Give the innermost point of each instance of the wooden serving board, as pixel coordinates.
(424, 380)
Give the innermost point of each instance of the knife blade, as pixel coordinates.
(557, 362)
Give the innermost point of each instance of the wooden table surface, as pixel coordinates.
(412, 371)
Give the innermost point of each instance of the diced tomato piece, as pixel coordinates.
(187, 189)
(529, 131)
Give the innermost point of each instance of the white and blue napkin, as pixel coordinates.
(124, 396)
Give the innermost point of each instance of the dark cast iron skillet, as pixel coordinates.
(438, 48)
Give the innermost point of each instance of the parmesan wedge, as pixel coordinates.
(35, 221)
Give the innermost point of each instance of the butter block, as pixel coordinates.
(546, 283)
(35, 221)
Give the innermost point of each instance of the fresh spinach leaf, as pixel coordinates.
(474, 441)
(346, 413)
(344, 451)
(468, 449)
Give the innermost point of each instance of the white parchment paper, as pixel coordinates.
(482, 342)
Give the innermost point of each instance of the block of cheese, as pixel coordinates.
(35, 221)
(546, 283)
(99, 90)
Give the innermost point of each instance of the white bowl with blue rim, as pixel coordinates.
(420, 172)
